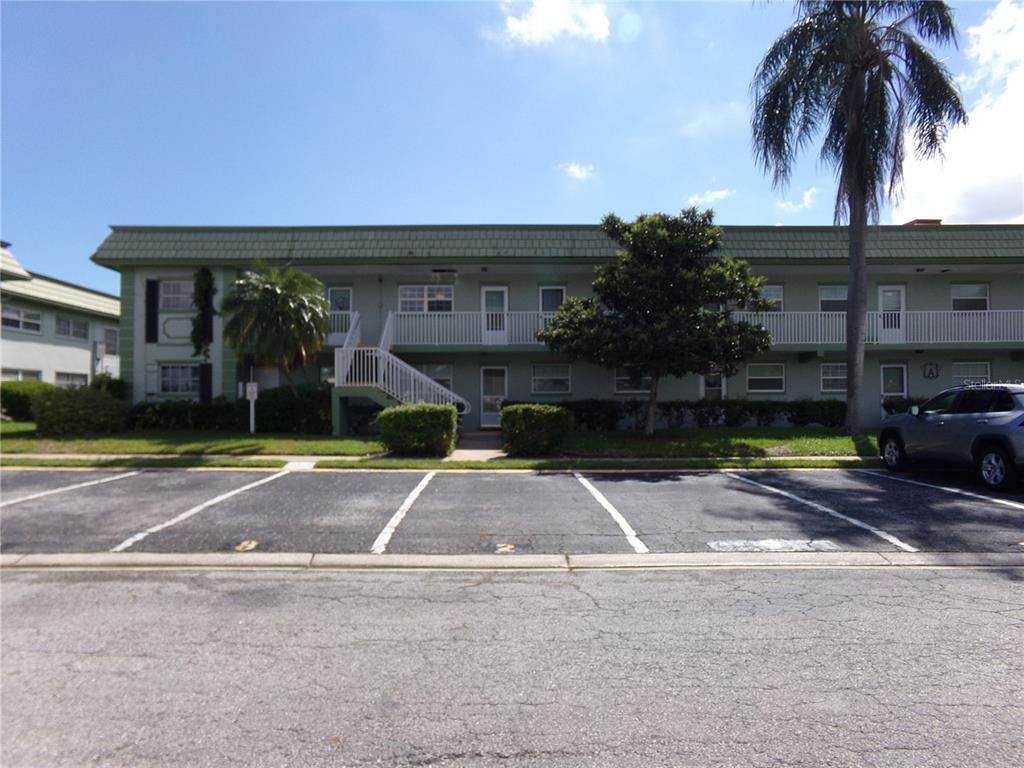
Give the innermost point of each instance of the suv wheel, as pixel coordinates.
(995, 468)
(893, 455)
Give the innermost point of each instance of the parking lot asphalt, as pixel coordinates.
(174, 511)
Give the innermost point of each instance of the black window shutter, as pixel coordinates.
(152, 311)
(205, 382)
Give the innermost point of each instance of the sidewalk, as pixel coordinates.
(478, 446)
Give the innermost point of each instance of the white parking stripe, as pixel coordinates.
(381, 542)
(133, 540)
(638, 546)
(69, 488)
(947, 489)
(827, 510)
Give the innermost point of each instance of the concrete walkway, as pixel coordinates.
(478, 446)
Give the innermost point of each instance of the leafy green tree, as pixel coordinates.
(663, 307)
(278, 315)
(857, 74)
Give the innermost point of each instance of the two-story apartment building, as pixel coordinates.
(450, 313)
(55, 331)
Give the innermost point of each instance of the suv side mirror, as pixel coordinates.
(915, 410)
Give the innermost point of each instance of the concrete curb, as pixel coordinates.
(680, 560)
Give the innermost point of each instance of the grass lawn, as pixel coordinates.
(21, 437)
(764, 442)
(129, 462)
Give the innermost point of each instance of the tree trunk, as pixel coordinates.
(652, 409)
(856, 314)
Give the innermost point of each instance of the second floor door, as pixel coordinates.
(892, 324)
(494, 314)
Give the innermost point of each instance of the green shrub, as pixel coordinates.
(673, 412)
(535, 429)
(828, 413)
(118, 388)
(706, 412)
(735, 413)
(765, 412)
(420, 429)
(16, 397)
(77, 411)
(307, 410)
(595, 415)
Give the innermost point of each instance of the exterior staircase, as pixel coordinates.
(372, 371)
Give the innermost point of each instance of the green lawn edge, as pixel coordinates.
(568, 465)
(171, 462)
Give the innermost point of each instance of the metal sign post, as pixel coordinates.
(252, 391)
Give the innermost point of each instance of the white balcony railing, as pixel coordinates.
(919, 327)
(467, 328)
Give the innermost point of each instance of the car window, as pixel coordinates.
(1003, 402)
(941, 403)
(975, 401)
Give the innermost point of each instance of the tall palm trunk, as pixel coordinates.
(856, 314)
(856, 289)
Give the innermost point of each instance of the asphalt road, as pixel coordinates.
(879, 667)
(486, 512)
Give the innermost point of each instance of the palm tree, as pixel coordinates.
(859, 74)
(278, 315)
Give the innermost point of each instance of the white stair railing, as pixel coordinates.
(342, 363)
(387, 334)
(378, 368)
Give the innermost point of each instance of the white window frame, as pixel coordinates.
(704, 387)
(339, 289)
(881, 380)
(822, 377)
(175, 301)
(18, 374)
(425, 299)
(958, 381)
(953, 299)
(822, 298)
(80, 379)
(534, 378)
(117, 340)
(71, 321)
(175, 391)
(778, 305)
(620, 376)
(766, 391)
(23, 316)
(450, 378)
(540, 297)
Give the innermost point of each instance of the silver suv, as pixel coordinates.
(980, 426)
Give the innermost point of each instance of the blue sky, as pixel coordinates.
(382, 113)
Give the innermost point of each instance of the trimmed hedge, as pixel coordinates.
(118, 388)
(419, 429)
(828, 413)
(305, 411)
(77, 411)
(610, 415)
(535, 430)
(16, 397)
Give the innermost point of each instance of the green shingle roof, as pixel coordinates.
(527, 243)
(47, 290)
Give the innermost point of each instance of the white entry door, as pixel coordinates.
(493, 391)
(494, 309)
(892, 321)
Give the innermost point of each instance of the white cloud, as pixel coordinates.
(981, 179)
(713, 119)
(806, 201)
(545, 21)
(578, 171)
(711, 196)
